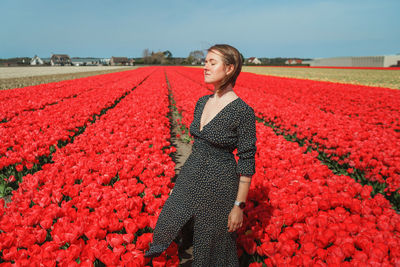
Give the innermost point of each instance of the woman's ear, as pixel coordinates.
(229, 69)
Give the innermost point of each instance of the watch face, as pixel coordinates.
(242, 205)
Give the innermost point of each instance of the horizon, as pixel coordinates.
(263, 29)
(77, 57)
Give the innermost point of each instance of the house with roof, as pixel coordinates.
(87, 61)
(119, 61)
(60, 60)
(293, 61)
(36, 61)
(253, 60)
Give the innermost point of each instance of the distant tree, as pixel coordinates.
(177, 61)
(167, 54)
(264, 61)
(158, 58)
(139, 60)
(16, 61)
(195, 57)
(146, 56)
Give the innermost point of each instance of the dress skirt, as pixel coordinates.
(206, 189)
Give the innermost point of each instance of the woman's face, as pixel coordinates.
(215, 69)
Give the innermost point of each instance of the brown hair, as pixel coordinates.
(230, 56)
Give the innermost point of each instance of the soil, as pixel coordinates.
(7, 199)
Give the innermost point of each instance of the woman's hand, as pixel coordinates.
(235, 219)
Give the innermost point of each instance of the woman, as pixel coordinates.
(211, 187)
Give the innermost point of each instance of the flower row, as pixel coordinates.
(16, 101)
(376, 106)
(303, 214)
(28, 136)
(101, 197)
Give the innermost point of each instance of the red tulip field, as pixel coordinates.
(89, 165)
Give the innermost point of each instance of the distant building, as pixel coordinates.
(77, 61)
(368, 61)
(119, 61)
(105, 61)
(60, 60)
(253, 60)
(293, 61)
(36, 61)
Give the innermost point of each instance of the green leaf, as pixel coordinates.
(2, 190)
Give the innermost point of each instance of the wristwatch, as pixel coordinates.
(241, 205)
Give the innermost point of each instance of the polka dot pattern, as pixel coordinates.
(207, 185)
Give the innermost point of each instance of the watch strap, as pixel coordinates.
(240, 204)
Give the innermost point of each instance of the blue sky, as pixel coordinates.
(268, 28)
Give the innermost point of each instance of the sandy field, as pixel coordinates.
(18, 72)
(381, 78)
(16, 77)
(370, 77)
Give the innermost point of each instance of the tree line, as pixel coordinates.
(197, 57)
(166, 58)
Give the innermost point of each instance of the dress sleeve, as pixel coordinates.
(197, 104)
(246, 145)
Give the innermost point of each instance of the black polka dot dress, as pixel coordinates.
(207, 185)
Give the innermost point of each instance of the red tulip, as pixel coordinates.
(348, 249)
(255, 264)
(143, 241)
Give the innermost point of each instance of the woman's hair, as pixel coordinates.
(230, 56)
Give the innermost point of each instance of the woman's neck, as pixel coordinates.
(219, 93)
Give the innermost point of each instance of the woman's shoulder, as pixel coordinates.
(201, 99)
(204, 97)
(244, 107)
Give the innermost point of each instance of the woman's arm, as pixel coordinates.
(246, 150)
(235, 219)
(244, 186)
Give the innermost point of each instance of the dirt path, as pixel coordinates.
(183, 150)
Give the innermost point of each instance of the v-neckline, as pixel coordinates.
(216, 115)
